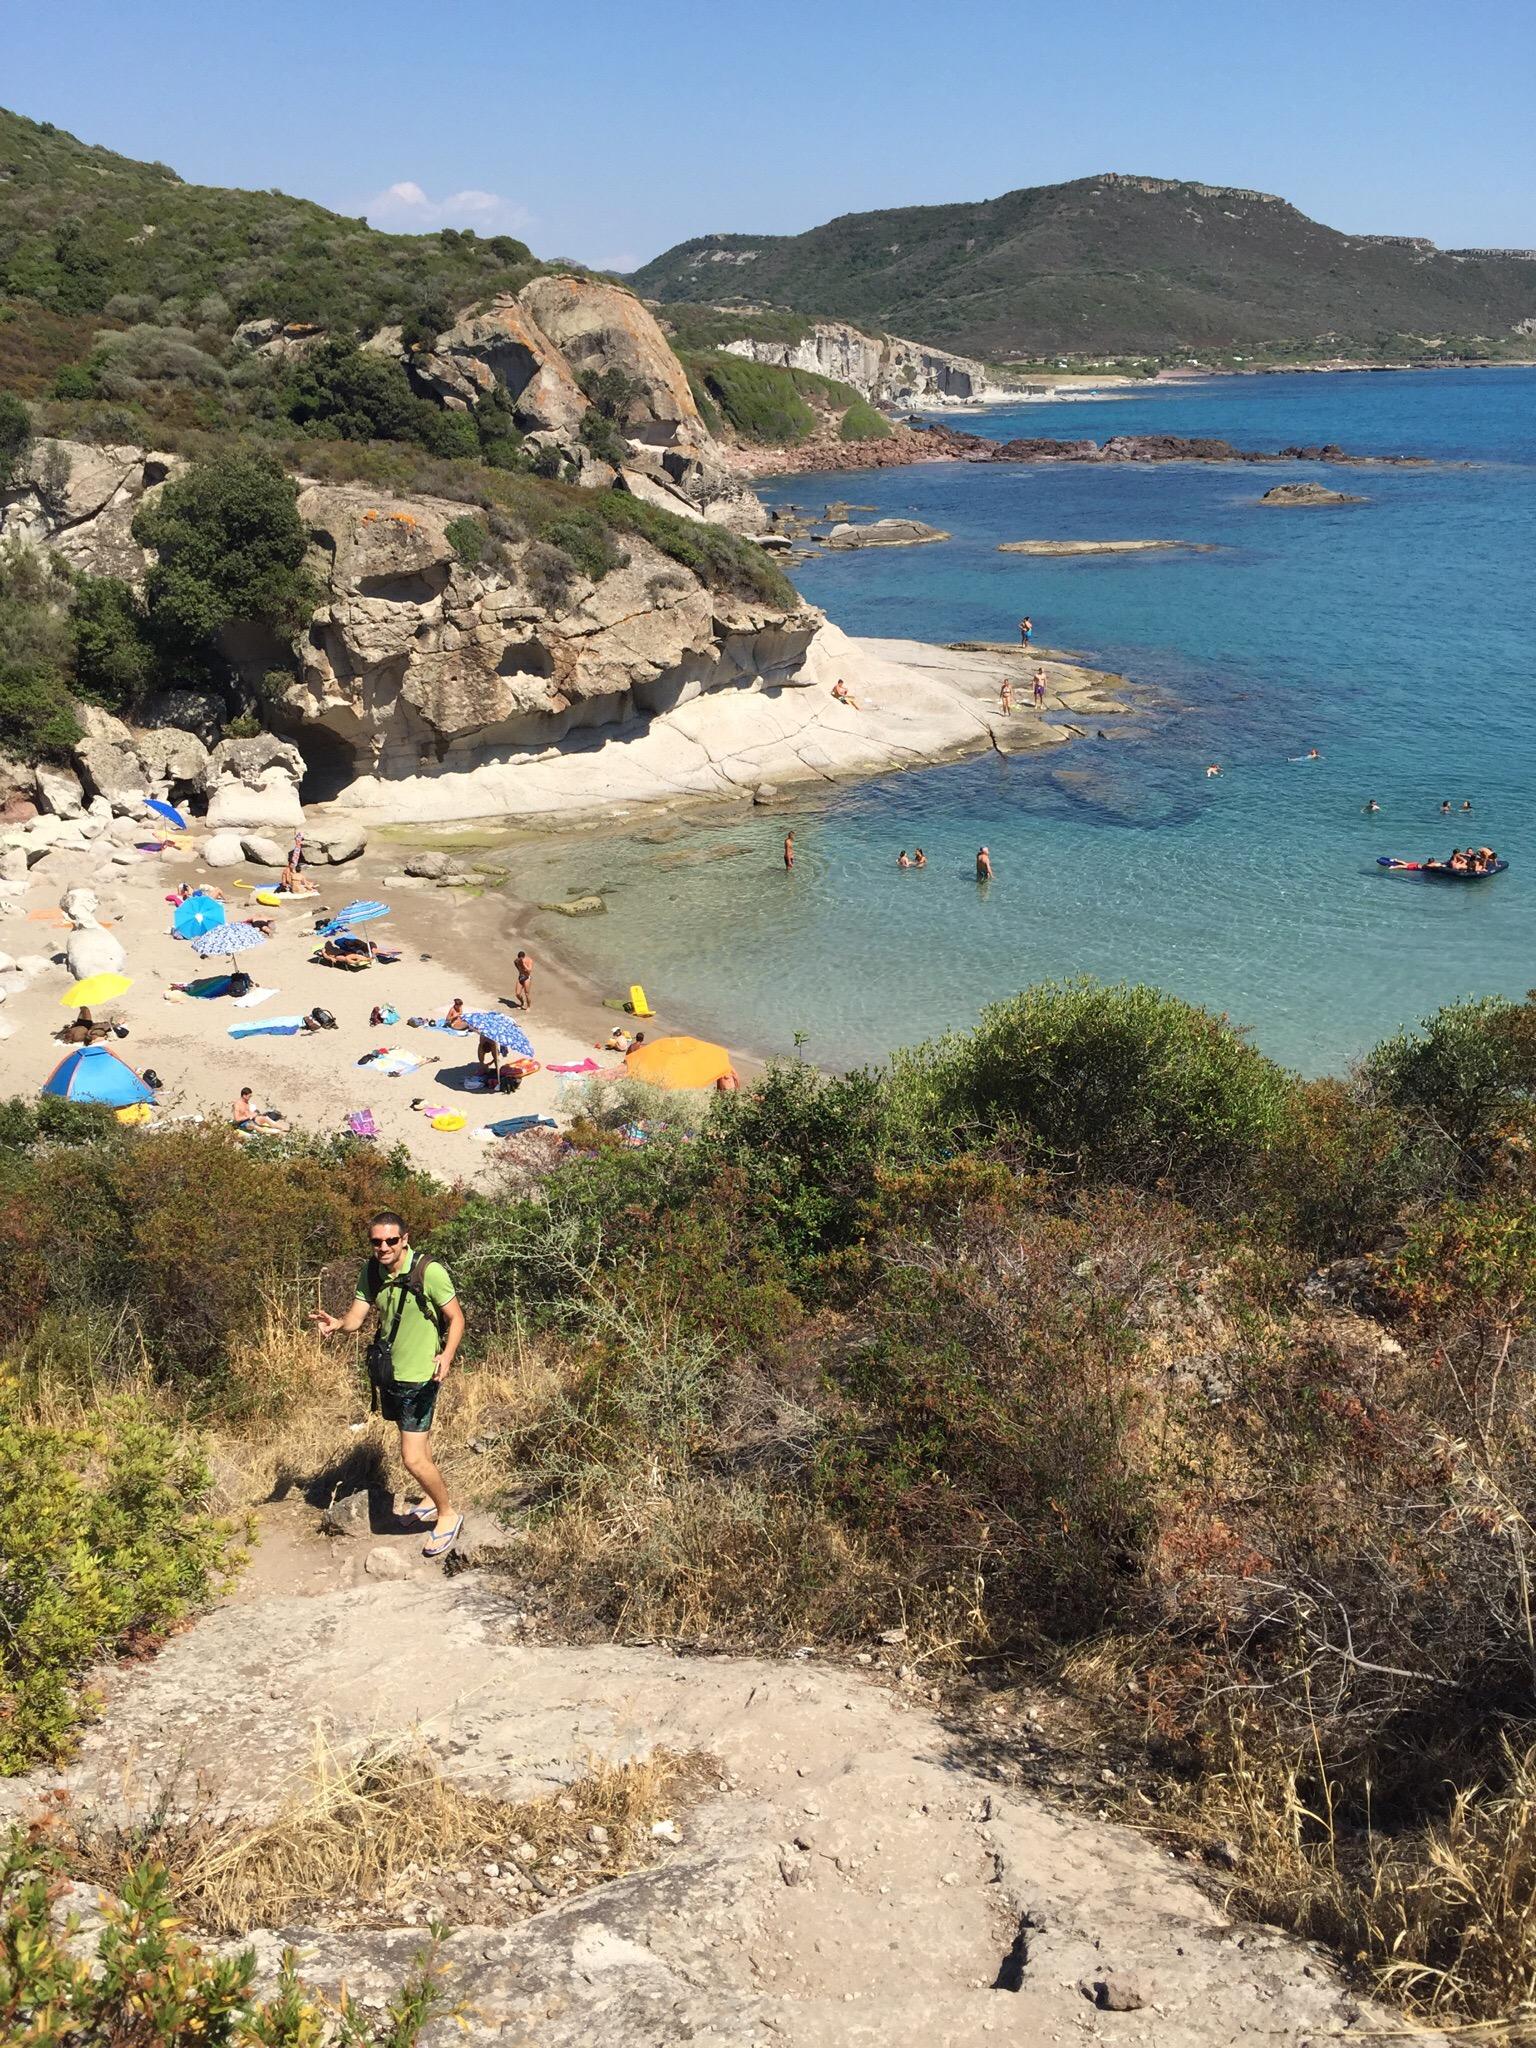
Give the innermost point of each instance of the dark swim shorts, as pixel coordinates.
(410, 1403)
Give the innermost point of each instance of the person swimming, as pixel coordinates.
(1372, 805)
(919, 858)
(901, 859)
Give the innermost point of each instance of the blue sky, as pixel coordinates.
(608, 130)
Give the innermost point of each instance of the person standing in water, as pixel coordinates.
(919, 858)
(789, 849)
(901, 859)
(983, 865)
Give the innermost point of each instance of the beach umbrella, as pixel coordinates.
(96, 988)
(93, 1074)
(227, 938)
(361, 912)
(197, 915)
(504, 1032)
(167, 811)
(679, 1062)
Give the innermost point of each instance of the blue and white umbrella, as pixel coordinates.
(227, 938)
(355, 913)
(504, 1032)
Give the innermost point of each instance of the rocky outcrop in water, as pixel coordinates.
(1309, 494)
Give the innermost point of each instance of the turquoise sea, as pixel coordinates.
(1398, 637)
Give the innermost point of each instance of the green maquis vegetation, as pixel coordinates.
(1103, 265)
(1090, 1346)
(761, 402)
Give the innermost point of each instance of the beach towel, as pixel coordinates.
(268, 1027)
(566, 1067)
(252, 997)
(361, 1124)
(437, 1024)
(211, 985)
(390, 1061)
(509, 1126)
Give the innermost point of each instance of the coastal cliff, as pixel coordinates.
(882, 368)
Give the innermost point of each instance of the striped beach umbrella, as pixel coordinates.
(504, 1032)
(227, 938)
(361, 912)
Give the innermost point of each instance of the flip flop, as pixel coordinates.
(422, 1512)
(440, 1545)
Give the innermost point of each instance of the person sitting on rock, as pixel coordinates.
(841, 692)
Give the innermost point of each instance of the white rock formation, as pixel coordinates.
(883, 368)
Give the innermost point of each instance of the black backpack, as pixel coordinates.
(380, 1356)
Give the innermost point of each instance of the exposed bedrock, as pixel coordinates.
(416, 664)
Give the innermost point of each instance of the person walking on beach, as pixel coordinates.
(789, 849)
(1026, 628)
(1005, 697)
(420, 1328)
(1039, 689)
(983, 865)
(523, 962)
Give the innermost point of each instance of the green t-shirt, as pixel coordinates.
(414, 1339)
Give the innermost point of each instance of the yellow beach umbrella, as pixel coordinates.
(96, 988)
(679, 1062)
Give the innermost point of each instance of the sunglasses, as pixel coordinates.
(381, 1244)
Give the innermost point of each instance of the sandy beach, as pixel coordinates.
(916, 704)
(312, 1078)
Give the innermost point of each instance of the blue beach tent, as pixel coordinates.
(197, 915)
(90, 1073)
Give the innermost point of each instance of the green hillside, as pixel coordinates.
(1108, 264)
(83, 231)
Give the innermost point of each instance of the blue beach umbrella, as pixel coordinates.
(93, 1074)
(361, 912)
(197, 915)
(503, 1031)
(227, 938)
(167, 811)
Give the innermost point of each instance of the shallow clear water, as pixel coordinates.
(1398, 637)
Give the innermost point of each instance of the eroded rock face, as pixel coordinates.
(79, 501)
(602, 327)
(416, 663)
(504, 345)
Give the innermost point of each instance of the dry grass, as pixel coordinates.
(1442, 1917)
(724, 1561)
(361, 1839)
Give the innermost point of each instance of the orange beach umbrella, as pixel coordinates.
(678, 1062)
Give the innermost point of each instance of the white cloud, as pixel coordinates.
(405, 207)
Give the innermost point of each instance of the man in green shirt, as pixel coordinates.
(422, 1324)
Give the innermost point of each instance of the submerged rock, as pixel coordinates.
(1308, 494)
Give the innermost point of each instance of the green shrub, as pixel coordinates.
(602, 438)
(104, 1539)
(114, 659)
(148, 1982)
(15, 436)
(469, 540)
(760, 401)
(1113, 1083)
(231, 548)
(1465, 1081)
(36, 720)
(861, 422)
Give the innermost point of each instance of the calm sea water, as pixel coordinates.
(1398, 637)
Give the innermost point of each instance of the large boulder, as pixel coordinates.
(79, 500)
(599, 327)
(223, 850)
(255, 782)
(265, 852)
(503, 344)
(58, 789)
(93, 951)
(195, 711)
(107, 758)
(334, 843)
(174, 760)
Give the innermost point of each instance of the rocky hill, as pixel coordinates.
(1111, 263)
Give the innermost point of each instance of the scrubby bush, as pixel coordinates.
(1109, 1082)
(469, 540)
(861, 422)
(15, 436)
(761, 402)
(36, 721)
(114, 658)
(104, 1539)
(230, 549)
(1465, 1082)
(147, 1981)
